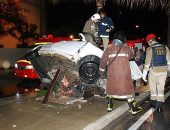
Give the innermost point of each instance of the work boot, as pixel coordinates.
(153, 104)
(109, 105)
(134, 108)
(136, 94)
(159, 107)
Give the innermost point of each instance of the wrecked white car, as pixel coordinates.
(80, 58)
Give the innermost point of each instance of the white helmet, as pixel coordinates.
(95, 17)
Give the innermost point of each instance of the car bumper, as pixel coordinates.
(31, 74)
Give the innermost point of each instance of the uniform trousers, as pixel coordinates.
(105, 42)
(157, 85)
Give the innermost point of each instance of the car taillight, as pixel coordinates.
(29, 67)
(16, 65)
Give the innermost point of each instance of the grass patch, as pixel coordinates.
(44, 91)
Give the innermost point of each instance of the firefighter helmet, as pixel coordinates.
(150, 36)
(95, 17)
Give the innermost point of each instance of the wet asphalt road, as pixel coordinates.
(25, 113)
(33, 114)
(10, 84)
(148, 119)
(158, 121)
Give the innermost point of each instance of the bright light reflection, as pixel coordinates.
(71, 36)
(17, 95)
(137, 26)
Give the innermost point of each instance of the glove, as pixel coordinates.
(108, 30)
(144, 75)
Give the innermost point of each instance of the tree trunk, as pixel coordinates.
(100, 4)
(168, 37)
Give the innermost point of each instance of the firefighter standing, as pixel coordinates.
(156, 62)
(119, 82)
(105, 26)
(90, 29)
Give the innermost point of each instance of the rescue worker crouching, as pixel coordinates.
(156, 63)
(119, 81)
(90, 29)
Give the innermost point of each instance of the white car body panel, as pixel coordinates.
(73, 50)
(90, 49)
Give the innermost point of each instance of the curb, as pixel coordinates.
(102, 122)
(142, 119)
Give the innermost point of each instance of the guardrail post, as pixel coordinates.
(51, 86)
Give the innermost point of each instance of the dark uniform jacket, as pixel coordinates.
(103, 25)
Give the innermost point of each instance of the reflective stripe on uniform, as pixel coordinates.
(147, 66)
(120, 97)
(160, 95)
(121, 54)
(153, 95)
(104, 36)
(104, 24)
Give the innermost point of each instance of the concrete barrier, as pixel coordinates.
(8, 56)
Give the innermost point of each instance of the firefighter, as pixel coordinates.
(90, 29)
(105, 27)
(119, 82)
(156, 63)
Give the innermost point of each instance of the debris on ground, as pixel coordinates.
(143, 88)
(70, 89)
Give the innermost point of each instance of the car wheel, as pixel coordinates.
(88, 69)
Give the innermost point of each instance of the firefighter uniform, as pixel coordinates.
(90, 28)
(105, 26)
(119, 82)
(156, 62)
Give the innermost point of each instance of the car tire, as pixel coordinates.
(88, 69)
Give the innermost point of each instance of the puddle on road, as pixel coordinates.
(25, 87)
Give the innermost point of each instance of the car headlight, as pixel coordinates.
(16, 65)
(29, 67)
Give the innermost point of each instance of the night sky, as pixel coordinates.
(69, 18)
